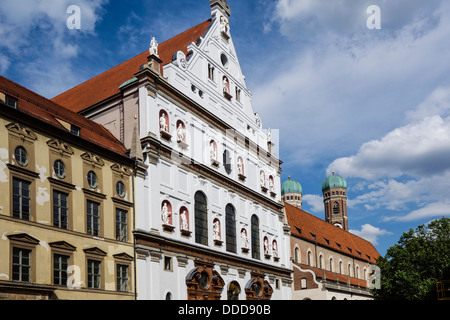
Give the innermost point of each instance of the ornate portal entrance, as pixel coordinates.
(204, 283)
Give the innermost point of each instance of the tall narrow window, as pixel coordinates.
(122, 278)
(60, 265)
(21, 199)
(296, 255)
(21, 265)
(94, 274)
(93, 218)
(60, 210)
(121, 225)
(201, 218)
(309, 258)
(230, 228)
(255, 237)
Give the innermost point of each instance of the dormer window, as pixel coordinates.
(11, 102)
(75, 130)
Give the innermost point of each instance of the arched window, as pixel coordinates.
(227, 161)
(309, 258)
(255, 237)
(331, 264)
(296, 254)
(320, 261)
(340, 267)
(201, 218)
(336, 208)
(234, 289)
(230, 228)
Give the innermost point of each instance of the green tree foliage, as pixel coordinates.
(410, 269)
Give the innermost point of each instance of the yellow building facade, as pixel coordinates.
(66, 204)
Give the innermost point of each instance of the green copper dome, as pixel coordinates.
(291, 186)
(334, 182)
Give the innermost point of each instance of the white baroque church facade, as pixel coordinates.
(209, 221)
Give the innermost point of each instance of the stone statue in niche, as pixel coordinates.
(275, 249)
(212, 151)
(224, 26)
(163, 123)
(263, 179)
(226, 86)
(165, 214)
(266, 246)
(271, 185)
(244, 239)
(154, 47)
(184, 221)
(181, 133)
(216, 230)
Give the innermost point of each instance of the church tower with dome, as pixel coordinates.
(291, 192)
(334, 189)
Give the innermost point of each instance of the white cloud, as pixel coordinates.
(436, 209)
(315, 202)
(417, 149)
(370, 233)
(349, 88)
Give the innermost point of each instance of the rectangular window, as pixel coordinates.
(93, 218)
(60, 209)
(122, 278)
(121, 225)
(21, 265)
(94, 274)
(21, 199)
(10, 101)
(60, 265)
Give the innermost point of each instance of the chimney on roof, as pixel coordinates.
(222, 5)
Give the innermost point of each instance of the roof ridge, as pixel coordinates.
(128, 60)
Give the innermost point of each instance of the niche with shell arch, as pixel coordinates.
(167, 215)
(245, 242)
(266, 244)
(262, 176)
(213, 153)
(241, 168)
(217, 232)
(184, 221)
(164, 125)
(181, 134)
(272, 186)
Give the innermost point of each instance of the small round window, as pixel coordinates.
(21, 156)
(224, 60)
(60, 169)
(92, 179)
(120, 189)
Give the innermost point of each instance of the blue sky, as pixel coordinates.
(372, 105)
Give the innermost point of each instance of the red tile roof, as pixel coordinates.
(311, 228)
(41, 108)
(107, 84)
(332, 276)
